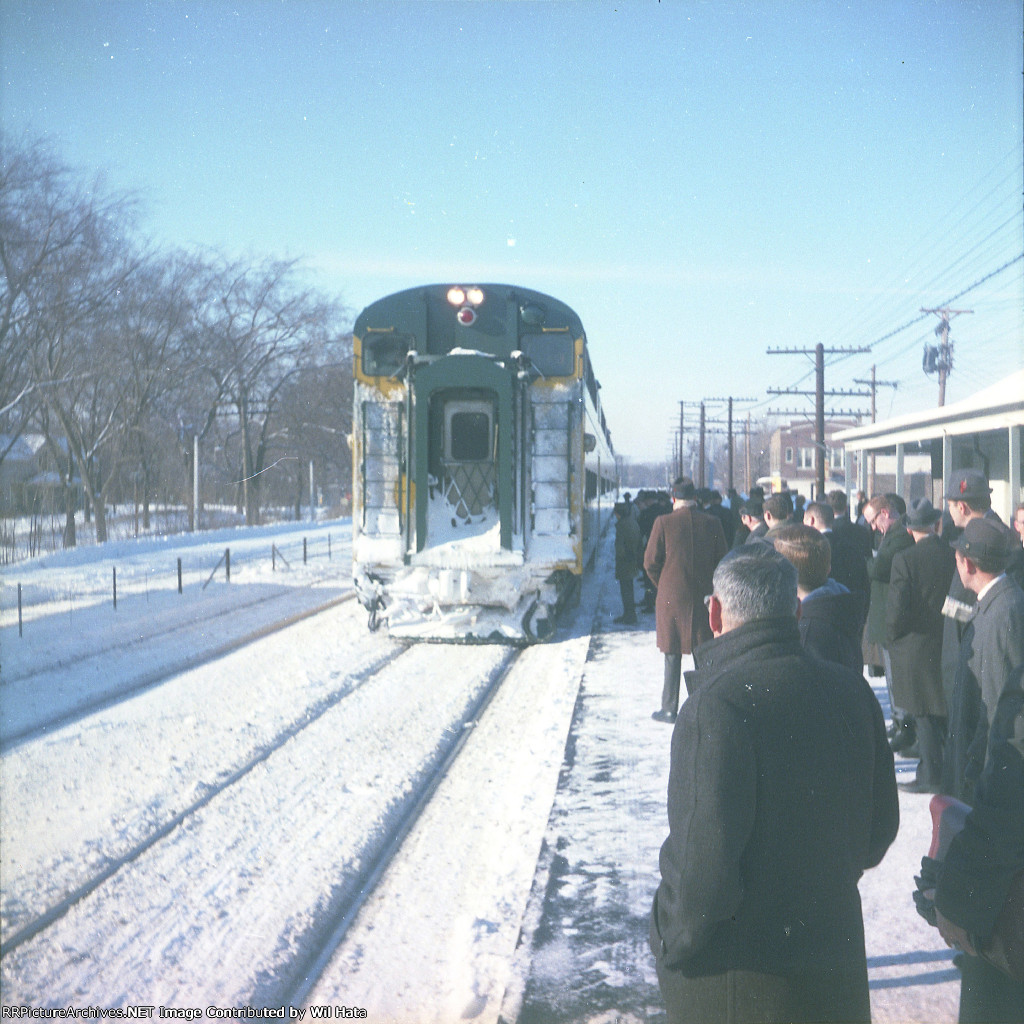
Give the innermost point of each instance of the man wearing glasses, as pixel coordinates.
(781, 793)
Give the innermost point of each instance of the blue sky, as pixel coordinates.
(701, 181)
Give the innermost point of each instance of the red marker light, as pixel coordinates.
(466, 316)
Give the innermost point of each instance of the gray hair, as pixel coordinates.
(755, 582)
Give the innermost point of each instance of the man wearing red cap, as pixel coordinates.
(972, 882)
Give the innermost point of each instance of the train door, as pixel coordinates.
(462, 453)
(463, 461)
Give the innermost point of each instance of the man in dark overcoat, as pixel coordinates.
(751, 512)
(882, 513)
(830, 624)
(682, 552)
(629, 555)
(918, 584)
(848, 558)
(781, 793)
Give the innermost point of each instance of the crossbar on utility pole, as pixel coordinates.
(874, 384)
(819, 401)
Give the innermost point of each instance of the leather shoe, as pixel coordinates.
(663, 716)
(903, 740)
(915, 787)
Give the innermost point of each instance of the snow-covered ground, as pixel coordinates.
(523, 892)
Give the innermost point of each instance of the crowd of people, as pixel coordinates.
(782, 786)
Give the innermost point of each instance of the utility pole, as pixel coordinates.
(679, 467)
(747, 489)
(700, 471)
(819, 394)
(940, 358)
(730, 484)
(819, 419)
(874, 384)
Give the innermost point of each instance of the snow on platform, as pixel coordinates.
(584, 957)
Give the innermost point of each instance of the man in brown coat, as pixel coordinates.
(682, 552)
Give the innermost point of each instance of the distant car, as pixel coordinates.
(773, 484)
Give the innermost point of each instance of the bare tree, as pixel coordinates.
(316, 417)
(120, 359)
(65, 279)
(46, 216)
(156, 323)
(258, 329)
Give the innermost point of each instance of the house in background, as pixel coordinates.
(794, 456)
(29, 481)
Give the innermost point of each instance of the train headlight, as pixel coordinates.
(459, 296)
(466, 316)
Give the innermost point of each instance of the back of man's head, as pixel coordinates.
(683, 489)
(755, 582)
(808, 550)
(898, 502)
(779, 506)
(837, 499)
(822, 513)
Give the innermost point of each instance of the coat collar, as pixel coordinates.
(762, 637)
(995, 588)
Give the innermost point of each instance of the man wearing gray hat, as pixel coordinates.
(991, 659)
(918, 586)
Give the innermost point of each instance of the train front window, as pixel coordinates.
(553, 353)
(383, 354)
(469, 436)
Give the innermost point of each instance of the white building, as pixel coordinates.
(981, 432)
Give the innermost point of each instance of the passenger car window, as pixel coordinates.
(383, 354)
(470, 436)
(552, 353)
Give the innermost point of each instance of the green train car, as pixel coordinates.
(482, 463)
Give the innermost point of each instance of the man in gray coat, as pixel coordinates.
(781, 793)
(991, 662)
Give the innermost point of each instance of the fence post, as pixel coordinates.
(273, 557)
(303, 550)
(115, 588)
(179, 575)
(19, 611)
(227, 563)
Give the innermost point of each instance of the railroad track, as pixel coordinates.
(293, 979)
(308, 717)
(14, 735)
(182, 624)
(306, 971)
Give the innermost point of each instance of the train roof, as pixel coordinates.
(409, 304)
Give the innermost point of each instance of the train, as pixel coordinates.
(483, 467)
